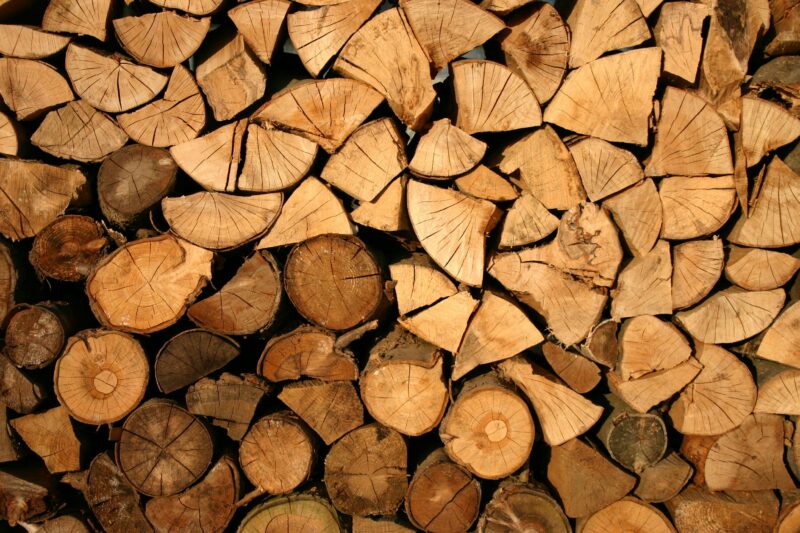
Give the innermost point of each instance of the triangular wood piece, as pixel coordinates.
(570, 307)
(330, 408)
(193, 7)
(781, 342)
(780, 393)
(372, 156)
(78, 131)
(648, 344)
(755, 269)
(637, 212)
(385, 54)
(644, 286)
(691, 138)
(444, 323)
(484, 183)
(29, 100)
(319, 34)
(719, 398)
(418, 283)
(445, 151)
(51, 436)
(694, 207)
(452, 228)
(579, 372)
(679, 32)
(447, 29)
(498, 330)
(644, 393)
(526, 222)
(610, 98)
(563, 413)
(10, 136)
(600, 27)
(765, 126)
(311, 210)
(696, 268)
(81, 17)
(324, 111)
(274, 160)
(27, 42)
(176, 118)
(260, 23)
(388, 211)
(213, 159)
(145, 37)
(732, 315)
(109, 82)
(219, 221)
(604, 168)
(546, 168)
(491, 97)
(537, 48)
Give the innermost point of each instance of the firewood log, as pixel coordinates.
(193, 7)
(19, 391)
(679, 32)
(307, 351)
(230, 401)
(696, 268)
(213, 159)
(27, 494)
(517, 507)
(636, 441)
(637, 211)
(11, 448)
(63, 524)
(644, 286)
(698, 510)
(418, 283)
(599, 28)
(651, 389)
(260, 23)
(295, 512)
(51, 436)
(444, 323)
(625, 515)
(777, 389)
(29, 102)
(695, 207)
(144, 37)
(191, 355)
(331, 409)
(81, 17)
(756, 269)
(69, 247)
(36, 334)
(363, 524)
(577, 371)
(601, 345)
(664, 480)
(527, 221)
(648, 344)
(27, 42)
(780, 342)
(274, 160)
(445, 151)
(482, 182)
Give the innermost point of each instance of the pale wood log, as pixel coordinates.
(696, 510)
(765, 126)
(145, 37)
(193, 7)
(213, 159)
(637, 211)
(51, 436)
(12, 137)
(695, 207)
(777, 389)
(444, 323)
(260, 23)
(760, 270)
(740, 178)
(68, 248)
(445, 151)
(527, 221)
(482, 182)
(81, 17)
(651, 389)
(307, 351)
(648, 344)
(644, 286)
(274, 160)
(628, 514)
(604, 168)
(664, 480)
(785, 17)
(28, 42)
(363, 524)
(781, 342)
(789, 519)
(331, 409)
(31, 88)
(518, 507)
(191, 355)
(388, 211)
(598, 28)
(679, 32)
(19, 391)
(295, 512)
(418, 283)
(503, 7)
(230, 401)
(577, 371)
(696, 268)
(35, 334)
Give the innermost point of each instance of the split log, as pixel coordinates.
(777, 389)
(193, 7)
(695, 207)
(307, 351)
(19, 391)
(445, 151)
(527, 221)
(664, 480)
(481, 182)
(10, 447)
(789, 519)
(63, 524)
(380, 525)
(51, 436)
(518, 507)
(30, 100)
(601, 344)
(695, 449)
(679, 32)
(163, 449)
(68, 248)
(637, 211)
(755, 269)
(419, 284)
(585, 480)
(274, 160)
(577, 371)
(295, 513)
(101, 377)
(27, 42)
(230, 401)
(765, 126)
(35, 334)
(636, 441)
(146, 285)
(647, 345)
(697, 510)
(277, 453)
(651, 389)
(444, 323)
(26, 494)
(628, 514)
(442, 496)
(11, 137)
(604, 168)
(144, 37)
(644, 286)
(208, 506)
(366, 471)
(403, 385)
(331, 409)
(488, 421)
(696, 268)
(81, 17)
(781, 342)
(191, 355)
(598, 28)
(213, 159)
(260, 24)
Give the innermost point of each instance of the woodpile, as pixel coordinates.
(319, 266)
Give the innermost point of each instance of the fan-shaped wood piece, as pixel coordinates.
(236, 219)
(546, 169)
(82, 17)
(648, 344)
(191, 355)
(694, 207)
(537, 48)
(628, 514)
(388, 211)
(679, 32)
(526, 222)
(296, 512)
(260, 23)
(176, 118)
(372, 156)
(773, 222)
(418, 283)
(27, 42)
(147, 284)
(145, 37)
(319, 34)
(780, 393)
(491, 97)
(447, 29)
(719, 398)
(30, 88)
(78, 131)
(610, 98)
(691, 138)
(579, 372)
(445, 151)
(696, 268)
(274, 160)
(11, 136)
(604, 168)
(643, 393)
(307, 351)
(33, 195)
(330, 408)
(444, 323)
(732, 315)
(385, 54)
(600, 27)
(109, 82)
(8, 281)
(765, 126)
(452, 228)
(644, 286)
(781, 342)
(324, 111)
(213, 159)
(311, 210)
(193, 7)
(637, 212)
(482, 182)
(755, 269)
(498, 330)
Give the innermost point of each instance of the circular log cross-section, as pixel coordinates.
(365, 471)
(163, 448)
(635, 440)
(520, 508)
(35, 335)
(101, 377)
(68, 248)
(277, 453)
(333, 281)
(292, 513)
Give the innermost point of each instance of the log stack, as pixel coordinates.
(336, 265)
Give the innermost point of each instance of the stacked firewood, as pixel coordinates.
(337, 265)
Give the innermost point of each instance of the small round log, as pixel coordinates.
(35, 334)
(69, 247)
(520, 508)
(634, 440)
(628, 514)
(302, 512)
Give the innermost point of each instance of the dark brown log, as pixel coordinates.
(518, 507)
(27, 493)
(230, 401)
(68, 248)
(18, 391)
(636, 441)
(36, 334)
(664, 480)
(191, 355)
(331, 409)
(307, 351)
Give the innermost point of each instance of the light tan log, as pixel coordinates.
(444, 323)
(527, 221)
(697, 510)
(27, 42)
(445, 151)
(145, 37)
(637, 212)
(230, 401)
(81, 17)
(51, 436)
(644, 286)
(651, 389)
(695, 207)
(648, 344)
(260, 23)
(577, 371)
(679, 32)
(331, 409)
(628, 514)
(296, 512)
(696, 268)
(307, 351)
(274, 160)
(31, 101)
(482, 182)
(213, 159)
(388, 211)
(418, 283)
(598, 28)
(604, 168)
(760, 270)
